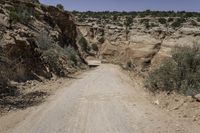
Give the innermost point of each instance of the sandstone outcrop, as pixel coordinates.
(37, 41)
(142, 44)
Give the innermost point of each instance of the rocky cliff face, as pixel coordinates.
(37, 41)
(144, 42)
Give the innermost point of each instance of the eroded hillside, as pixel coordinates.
(37, 42)
(138, 38)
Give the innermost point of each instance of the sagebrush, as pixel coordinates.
(22, 14)
(180, 72)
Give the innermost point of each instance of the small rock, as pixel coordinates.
(185, 116)
(176, 100)
(195, 119)
(197, 97)
(156, 102)
(190, 99)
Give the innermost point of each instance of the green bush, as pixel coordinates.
(162, 20)
(170, 19)
(21, 14)
(178, 22)
(81, 19)
(119, 24)
(71, 53)
(60, 6)
(198, 19)
(188, 15)
(35, 1)
(194, 23)
(128, 22)
(115, 18)
(129, 65)
(95, 47)
(144, 21)
(84, 44)
(13, 17)
(147, 25)
(154, 25)
(180, 73)
(57, 58)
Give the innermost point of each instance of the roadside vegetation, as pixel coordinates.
(22, 14)
(84, 44)
(52, 52)
(179, 73)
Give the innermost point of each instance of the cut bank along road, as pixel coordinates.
(101, 101)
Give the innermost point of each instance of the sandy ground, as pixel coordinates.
(99, 101)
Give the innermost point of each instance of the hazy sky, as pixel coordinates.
(127, 5)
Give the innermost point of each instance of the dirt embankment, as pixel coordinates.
(183, 107)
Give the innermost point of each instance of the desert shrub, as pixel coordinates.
(170, 19)
(194, 23)
(128, 22)
(198, 19)
(188, 15)
(21, 14)
(162, 20)
(119, 24)
(50, 57)
(14, 17)
(129, 65)
(154, 25)
(81, 19)
(144, 21)
(57, 58)
(142, 15)
(115, 18)
(60, 6)
(84, 44)
(147, 25)
(71, 53)
(180, 73)
(53, 55)
(44, 42)
(35, 1)
(95, 47)
(178, 22)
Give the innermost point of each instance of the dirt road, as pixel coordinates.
(100, 101)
